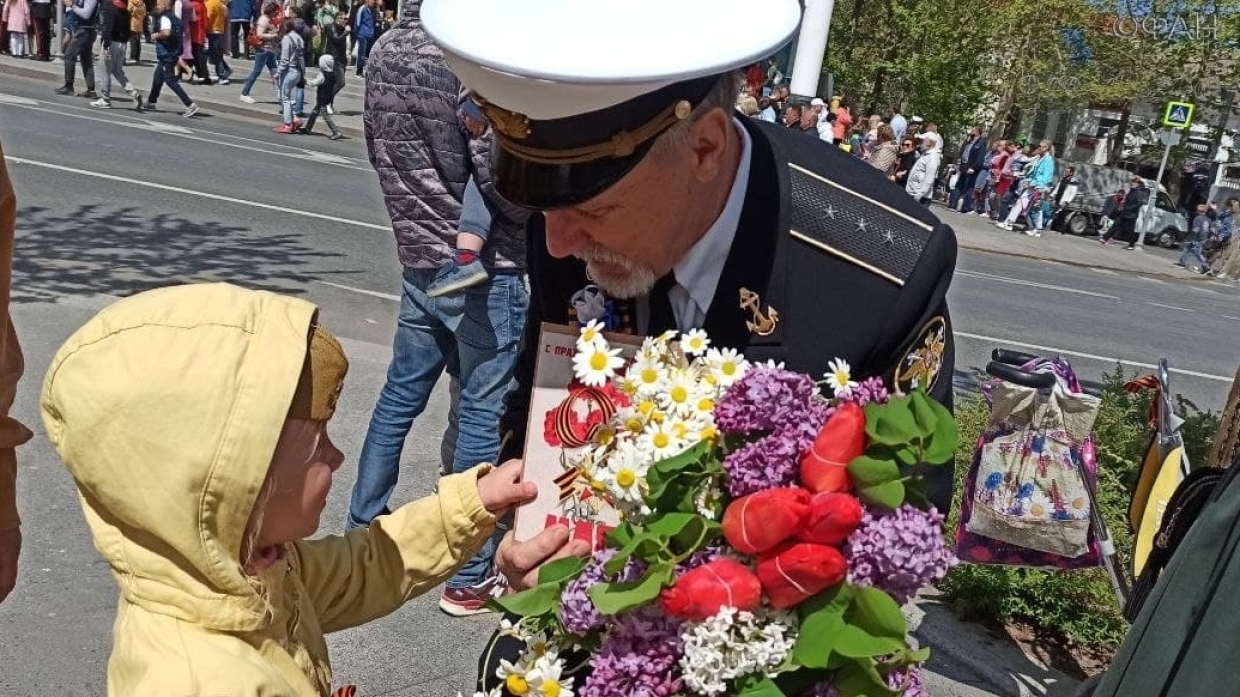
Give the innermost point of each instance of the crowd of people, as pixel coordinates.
(193, 42)
(907, 150)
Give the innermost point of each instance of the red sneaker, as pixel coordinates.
(283, 128)
(471, 600)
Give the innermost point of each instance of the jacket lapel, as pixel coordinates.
(751, 259)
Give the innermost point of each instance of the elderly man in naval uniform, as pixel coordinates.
(615, 120)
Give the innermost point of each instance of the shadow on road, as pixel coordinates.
(970, 655)
(99, 249)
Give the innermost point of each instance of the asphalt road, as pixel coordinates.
(113, 204)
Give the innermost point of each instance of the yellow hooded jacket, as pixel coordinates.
(166, 407)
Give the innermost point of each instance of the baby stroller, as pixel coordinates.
(1029, 496)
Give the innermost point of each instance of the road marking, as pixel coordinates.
(363, 291)
(198, 194)
(212, 138)
(1171, 307)
(1051, 350)
(1230, 317)
(1032, 284)
(1202, 289)
(167, 128)
(17, 101)
(327, 157)
(1153, 280)
(1098, 269)
(1052, 262)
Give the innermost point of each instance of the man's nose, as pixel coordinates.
(565, 233)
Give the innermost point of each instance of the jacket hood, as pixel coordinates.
(166, 408)
(326, 63)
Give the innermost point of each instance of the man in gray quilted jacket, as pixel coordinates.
(425, 158)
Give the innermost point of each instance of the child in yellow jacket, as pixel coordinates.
(194, 422)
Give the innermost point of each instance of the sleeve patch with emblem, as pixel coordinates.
(921, 365)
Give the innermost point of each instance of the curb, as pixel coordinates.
(1083, 265)
(208, 107)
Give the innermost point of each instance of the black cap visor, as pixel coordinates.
(542, 187)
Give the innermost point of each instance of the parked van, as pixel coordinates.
(1081, 208)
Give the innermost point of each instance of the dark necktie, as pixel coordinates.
(662, 318)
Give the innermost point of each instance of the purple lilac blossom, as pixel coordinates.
(895, 680)
(898, 551)
(780, 406)
(577, 612)
(639, 659)
(763, 400)
(703, 556)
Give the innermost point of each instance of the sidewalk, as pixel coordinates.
(217, 99)
(980, 234)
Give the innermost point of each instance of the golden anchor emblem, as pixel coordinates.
(761, 324)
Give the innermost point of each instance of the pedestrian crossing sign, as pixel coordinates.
(1178, 115)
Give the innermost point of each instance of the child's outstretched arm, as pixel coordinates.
(371, 572)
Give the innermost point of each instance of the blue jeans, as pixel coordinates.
(363, 51)
(215, 54)
(1193, 250)
(262, 59)
(482, 341)
(166, 74)
(299, 100)
(288, 85)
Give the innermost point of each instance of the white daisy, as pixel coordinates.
(630, 420)
(597, 364)
(694, 342)
(547, 680)
(591, 334)
(648, 375)
(726, 365)
(839, 379)
(703, 406)
(625, 473)
(679, 393)
(660, 441)
(515, 676)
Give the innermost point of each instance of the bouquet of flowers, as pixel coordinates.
(768, 538)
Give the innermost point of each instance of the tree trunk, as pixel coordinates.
(1121, 134)
(1227, 440)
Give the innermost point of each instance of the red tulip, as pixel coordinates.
(759, 521)
(795, 571)
(702, 592)
(841, 440)
(832, 518)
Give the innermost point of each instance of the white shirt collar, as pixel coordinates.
(699, 270)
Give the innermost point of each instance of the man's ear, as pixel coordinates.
(708, 140)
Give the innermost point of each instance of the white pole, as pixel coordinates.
(811, 47)
(58, 30)
(1170, 138)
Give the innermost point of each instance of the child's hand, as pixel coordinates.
(502, 488)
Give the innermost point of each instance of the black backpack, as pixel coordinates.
(1183, 509)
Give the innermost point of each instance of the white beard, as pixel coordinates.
(634, 281)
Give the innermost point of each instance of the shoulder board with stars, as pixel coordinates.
(856, 228)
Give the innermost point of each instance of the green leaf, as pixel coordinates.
(891, 423)
(861, 679)
(868, 471)
(942, 442)
(615, 598)
(924, 415)
(877, 613)
(560, 570)
(886, 495)
(534, 601)
(621, 535)
(817, 637)
(919, 656)
(855, 642)
(644, 546)
(757, 686)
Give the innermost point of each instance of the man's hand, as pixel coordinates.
(520, 561)
(10, 549)
(502, 488)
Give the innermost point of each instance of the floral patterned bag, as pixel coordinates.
(1027, 493)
